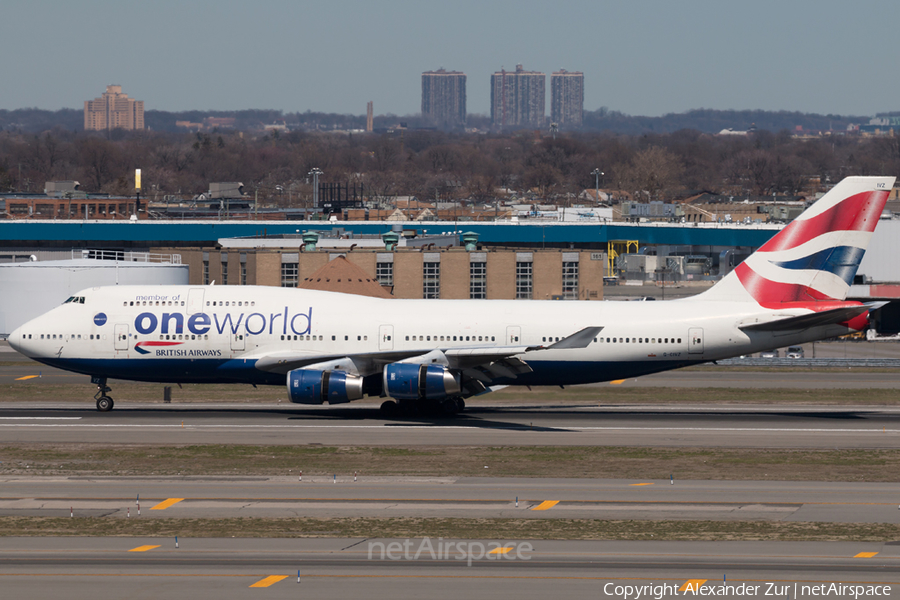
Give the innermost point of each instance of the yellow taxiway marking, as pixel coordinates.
(143, 548)
(546, 504)
(865, 555)
(617, 382)
(270, 580)
(503, 550)
(26, 377)
(693, 584)
(640, 484)
(166, 504)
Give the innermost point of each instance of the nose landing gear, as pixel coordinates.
(104, 402)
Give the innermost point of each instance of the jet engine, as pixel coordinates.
(312, 386)
(409, 381)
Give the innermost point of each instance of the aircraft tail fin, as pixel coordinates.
(815, 257)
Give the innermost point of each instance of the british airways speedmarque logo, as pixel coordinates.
(100, 319)
(140, 346)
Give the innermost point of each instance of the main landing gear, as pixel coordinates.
(104, 402)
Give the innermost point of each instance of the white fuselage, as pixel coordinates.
(217, 333)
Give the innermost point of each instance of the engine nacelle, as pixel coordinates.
(408, 381)
(312, 386)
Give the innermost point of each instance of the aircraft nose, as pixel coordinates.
(15, 339)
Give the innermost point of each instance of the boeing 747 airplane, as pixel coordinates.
(336, 348)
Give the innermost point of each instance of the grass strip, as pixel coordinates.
(601, 462)
(498, 529)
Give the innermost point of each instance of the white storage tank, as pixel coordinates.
(29, 289)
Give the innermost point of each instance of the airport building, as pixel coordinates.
(444, 99)
(518, 99)
(31, 285)
(567, 98)
(450, 272)
(113, 110)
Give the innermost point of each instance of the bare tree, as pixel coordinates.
(652, 172)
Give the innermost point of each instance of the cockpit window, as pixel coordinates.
(75, 299)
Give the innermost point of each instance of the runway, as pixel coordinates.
(86, 568)
(14, 365)
(726, 426)
(467, 497)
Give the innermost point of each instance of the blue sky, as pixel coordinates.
(638, 57)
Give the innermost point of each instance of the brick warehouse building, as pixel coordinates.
(446, 273)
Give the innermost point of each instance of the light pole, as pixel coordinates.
(315, 175)
(597, 173)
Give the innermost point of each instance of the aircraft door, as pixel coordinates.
(195, 301)
(513, 335)
(695, 340)
(121, 333)
(237, 340)
(386, 337)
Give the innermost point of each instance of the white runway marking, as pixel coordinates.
(561, 428)
(40, 418)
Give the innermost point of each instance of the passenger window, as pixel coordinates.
(347, 337)
(679, 340)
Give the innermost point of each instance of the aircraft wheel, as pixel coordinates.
(105, 404)
(450, 406)
(461, 404)
(390, 409)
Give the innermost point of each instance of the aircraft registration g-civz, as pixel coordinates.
(336, 348)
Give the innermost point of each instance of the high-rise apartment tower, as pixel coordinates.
(567, 98)
(518, 98)
(444, 99)
(113, 110)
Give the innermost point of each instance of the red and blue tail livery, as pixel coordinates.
(815, 257)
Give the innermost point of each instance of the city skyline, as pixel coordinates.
(334, 57)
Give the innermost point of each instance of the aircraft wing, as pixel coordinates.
(826, 317)
(478, 366)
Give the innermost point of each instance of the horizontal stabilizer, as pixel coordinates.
(826, 317)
